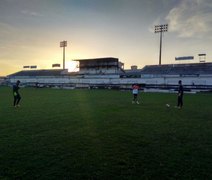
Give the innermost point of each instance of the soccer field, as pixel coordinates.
(100, 134)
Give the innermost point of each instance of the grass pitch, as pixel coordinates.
(100, 134)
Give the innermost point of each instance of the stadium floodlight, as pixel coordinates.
(63, 44)
(160, 29)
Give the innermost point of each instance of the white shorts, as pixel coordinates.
(135, 91)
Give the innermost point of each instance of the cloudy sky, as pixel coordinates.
(31, 30)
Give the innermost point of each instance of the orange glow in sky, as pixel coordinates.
(31, 31)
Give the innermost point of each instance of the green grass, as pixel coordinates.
(99, 134)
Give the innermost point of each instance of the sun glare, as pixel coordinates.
(72, 66)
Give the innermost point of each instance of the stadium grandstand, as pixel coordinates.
(107, 65)
(179, 69)
(35, 73)
(109, 73)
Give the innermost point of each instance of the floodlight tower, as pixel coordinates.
(160, 29)
(63, 44)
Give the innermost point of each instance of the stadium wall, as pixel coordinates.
(158, 82)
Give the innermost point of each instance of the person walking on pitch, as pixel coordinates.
(135, 89)
(180, 95)
(16, 95)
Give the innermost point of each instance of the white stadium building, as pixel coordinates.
(109, 73)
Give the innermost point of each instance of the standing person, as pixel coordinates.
(135, 89)
(180, 95)
(16, 95)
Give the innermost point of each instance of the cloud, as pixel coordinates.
(5, 28)
(31, 13)
(191, 18)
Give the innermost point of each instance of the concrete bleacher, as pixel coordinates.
(45, 72)
(179, 69)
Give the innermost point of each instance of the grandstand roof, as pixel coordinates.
(46, 72)
(99, 59)
(179, 69)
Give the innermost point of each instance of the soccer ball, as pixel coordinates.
(167, 105)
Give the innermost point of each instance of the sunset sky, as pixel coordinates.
(31, 30)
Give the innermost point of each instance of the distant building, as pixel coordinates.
(2, 79)
(134, 67)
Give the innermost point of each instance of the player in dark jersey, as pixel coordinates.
(180, 95)
(16, 95)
